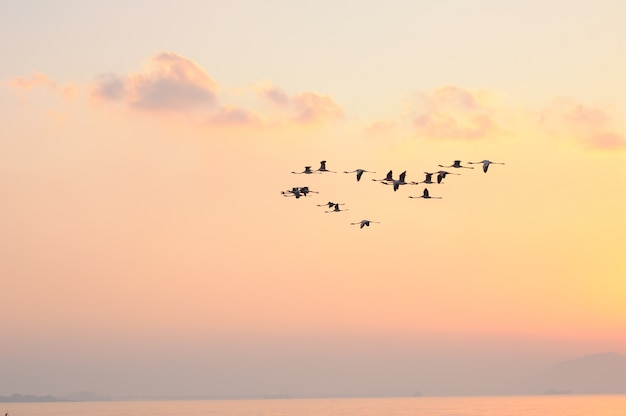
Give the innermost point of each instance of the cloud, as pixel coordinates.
(592, 127)
(304, 108)
(175, 84)
(40, 80)
(234, 116)
(451, 112)
(169, 82)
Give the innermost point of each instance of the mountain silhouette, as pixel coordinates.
(603, 373)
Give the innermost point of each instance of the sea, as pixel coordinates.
(548, 405)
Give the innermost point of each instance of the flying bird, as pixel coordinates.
(441, 175)
(293, 192)
(388, 178)
(307, 171)
(401, 181)
(329, 204)
(304, 190)
(486, 164)
(364, 223)
(359, 173)
(457, 164)
(426, 195)
(337, 209)
(322, 167)
(428, 178)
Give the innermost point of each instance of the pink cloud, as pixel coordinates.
(592, 127)
(234, 116)
(40, 80)
(313, 108)
(452, 112)
(36, 79)
(169, 82)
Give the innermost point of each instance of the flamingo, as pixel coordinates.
(329, 204)
(305, 190)
(441, 175)
(388, 178)
(427, 179)
(337, 209)
(426, 195)
(457, 164)
(292, 192)
(307, 171)
(364, 223)
(359, 173)
(323, 167)
(486, 164)
(401, 181)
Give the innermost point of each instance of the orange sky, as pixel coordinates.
(142, 207)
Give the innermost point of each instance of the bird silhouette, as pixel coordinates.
(359, 173)
(427, 179)
(401, 181)
(388, 178)
(364, 223)
(337, 209)
(441, 175)
(292, 192)
(307, 171)
(304, 190)
(486, 164)
(457, 164)
(426, 195)
(322, 167)
(329, 204)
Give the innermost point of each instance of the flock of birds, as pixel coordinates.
(439, 175)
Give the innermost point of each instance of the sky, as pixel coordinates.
(146, 248)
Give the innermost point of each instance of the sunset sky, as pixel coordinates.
(146, 249)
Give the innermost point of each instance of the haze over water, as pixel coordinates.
(450, 406)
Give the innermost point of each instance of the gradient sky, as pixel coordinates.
(145, 247)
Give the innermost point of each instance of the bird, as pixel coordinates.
(364, 223)
(388, 178)
(457, 164)
(337, 209)
(322, 167)
(427, 179)
(425, 195)
(486, 164)
(329, 204)
(295, 191)
(401, 181)
(307, 170)
(359, 173)
(441, 175)
(305, 190)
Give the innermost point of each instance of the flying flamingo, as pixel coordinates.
(359, 173)
(307, 171)
(388, 178)
(329, 204)
(426, 195)
(305, 190)
(486, 164)
(337, 209)
(457, 164)
(364, 223)
(293, 192)
(441, 175)
(427, 179)
(401, 181)
(323, 167)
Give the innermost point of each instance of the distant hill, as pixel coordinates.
(591, 374)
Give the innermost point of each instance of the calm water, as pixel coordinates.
(427, 406)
